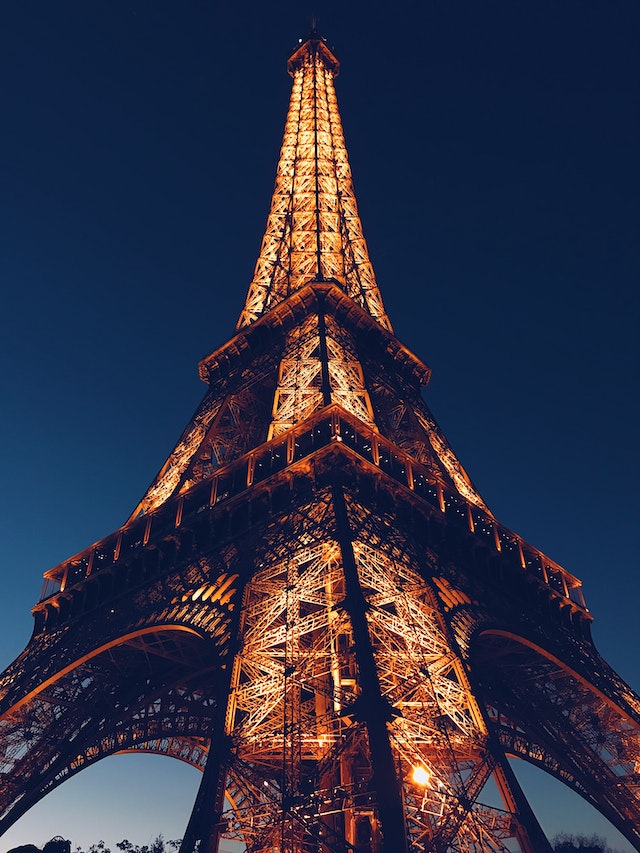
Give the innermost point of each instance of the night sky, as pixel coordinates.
(494, 147)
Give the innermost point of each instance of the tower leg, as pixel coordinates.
(203, 830)
(529, 833)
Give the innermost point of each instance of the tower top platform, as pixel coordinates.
(314, 45)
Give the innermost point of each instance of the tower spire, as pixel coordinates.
(313, 230)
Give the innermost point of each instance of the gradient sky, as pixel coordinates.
(494, 147)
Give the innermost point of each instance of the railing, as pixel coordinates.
(286, 450)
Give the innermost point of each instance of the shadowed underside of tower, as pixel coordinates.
(312, 603)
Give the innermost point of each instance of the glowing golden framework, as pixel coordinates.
(313, 248)
(301, 388)
(292, 706)
(312, 603)
(307, 352)
(313, 230)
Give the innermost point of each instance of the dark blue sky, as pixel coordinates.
(494, 147)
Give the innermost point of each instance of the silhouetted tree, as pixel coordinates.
(25, 848)
(159, 845)
(564, 843)
(100, 847)
(56, 845)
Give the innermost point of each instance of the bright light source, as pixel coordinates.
(420, 776)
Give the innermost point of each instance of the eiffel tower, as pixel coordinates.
(312, 603)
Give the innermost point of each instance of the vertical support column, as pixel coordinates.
(529, 833)
(324, 357)
(373, 708)
(202, 832)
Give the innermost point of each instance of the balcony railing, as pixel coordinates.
(278, 454)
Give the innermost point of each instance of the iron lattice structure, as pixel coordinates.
(312, 603)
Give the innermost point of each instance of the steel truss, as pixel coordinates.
(312, 603)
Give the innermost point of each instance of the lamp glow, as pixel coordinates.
(420, 776)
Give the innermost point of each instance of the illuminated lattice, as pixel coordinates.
(302, 388)
(313, 230)
(312, 603)
(173, 470)
(296, 683)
